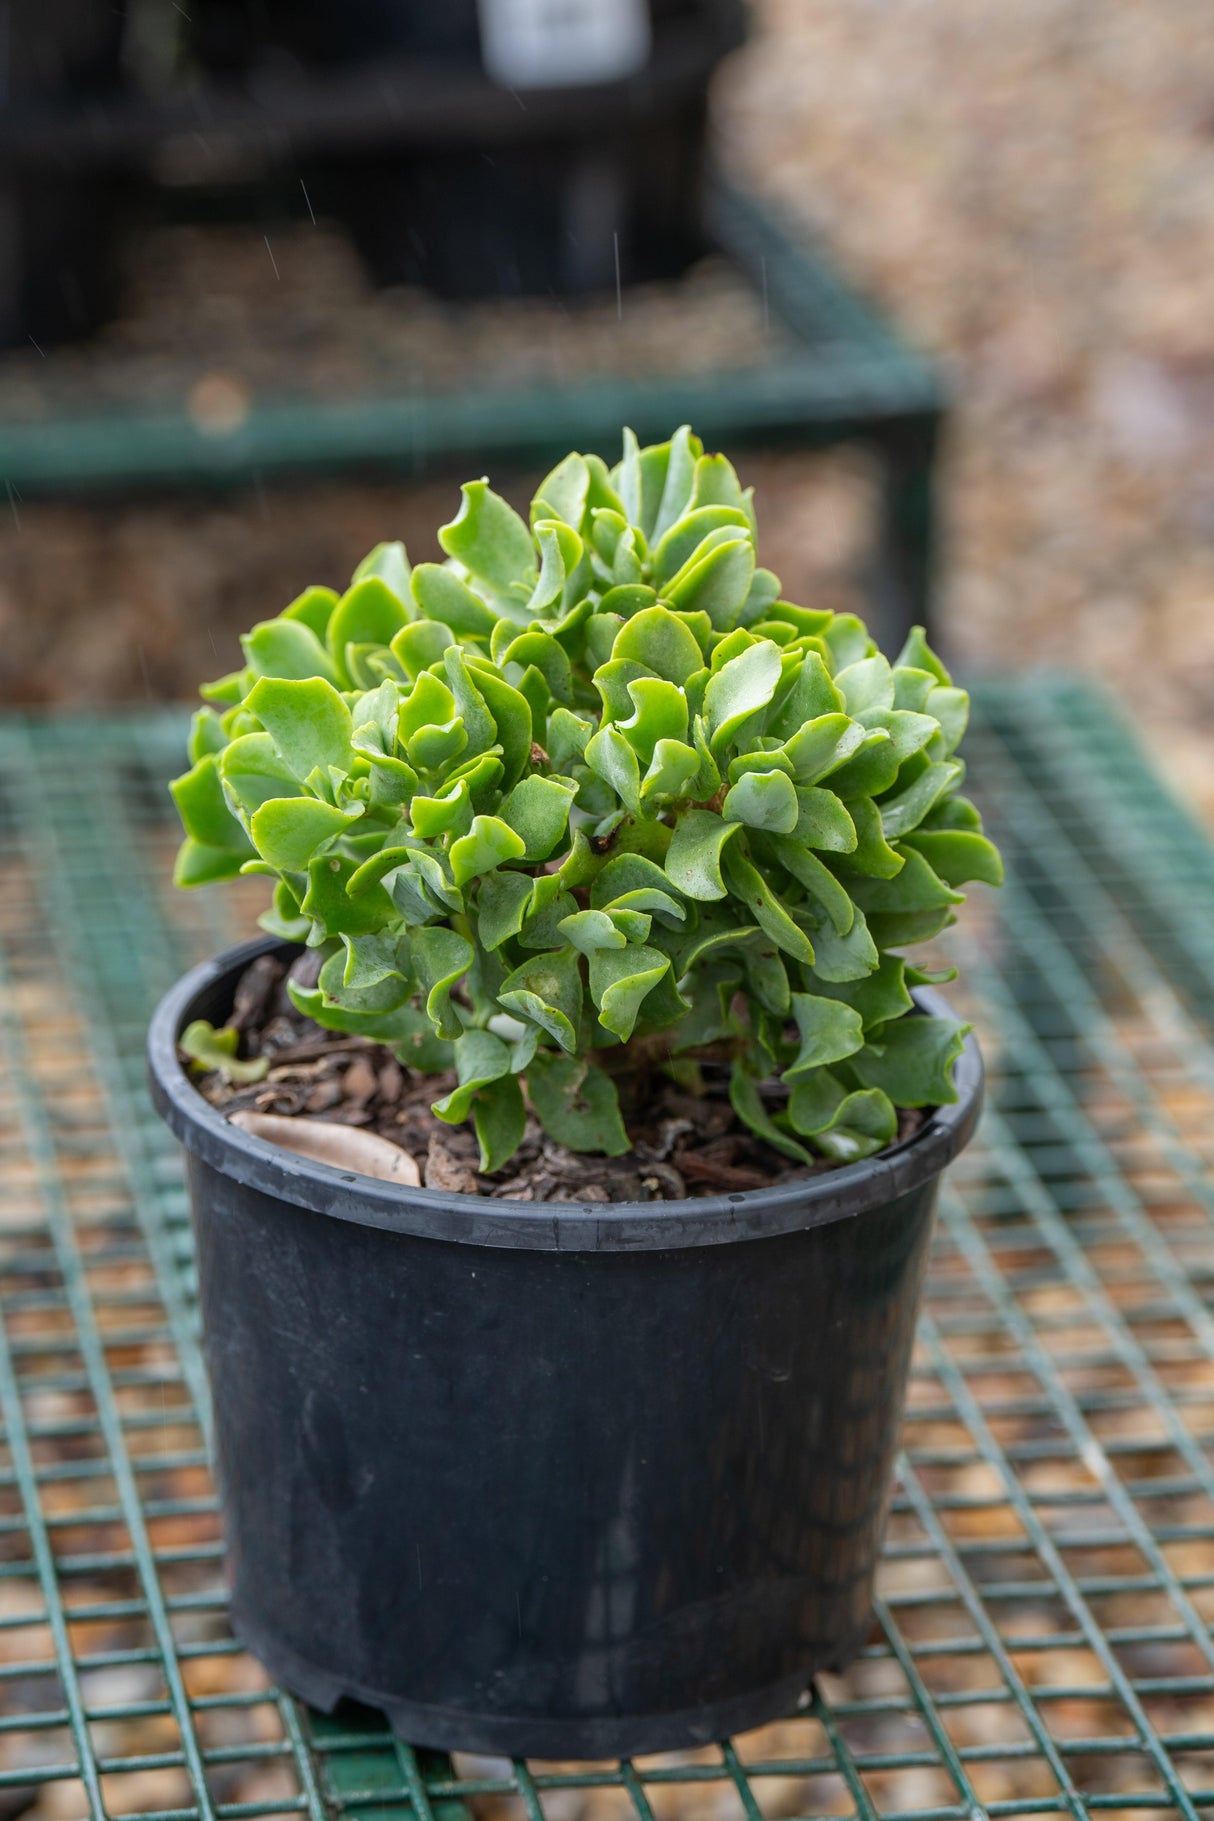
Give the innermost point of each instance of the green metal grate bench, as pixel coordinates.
(1042, 1643)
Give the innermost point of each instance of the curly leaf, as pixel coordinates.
(216, 1049)
(912, 1060)
(672, 769)
(440, 958)
(577, 1104)
(499, 1117)
(748, 884)
(538, 811)
(741, 687)
(590, 930)
(490, 539)
(716, 580)
(632, 882)
(440, 595)
(560, 553)
(611, 758)
(204, 811)
(314, 607)
(877, 997)
(872, 854)
(288, 831)
(823, 821)
(814, 1102)
(830, 1031)
(820, 746)
(693, 859)
(307, 720)
(564, 492)
(370, 613)
(390, 563)
(843, 958)
(958, 856)
(619, 982)
(662, 642)
(332, 911)
(747, 1103)
(450, 813)
(863, 1123)
(480, 1058)
(287, 648)
(901, 813)
(503, 902)
(867, 684)
(763, 800)
(489, 843)
(819, 882)
(915, 888)
(548, 991)
(683, 540)
(659, 713)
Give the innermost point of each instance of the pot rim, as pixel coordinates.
(626, 1226)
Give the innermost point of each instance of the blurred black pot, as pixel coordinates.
(590, 171)
(57, 270)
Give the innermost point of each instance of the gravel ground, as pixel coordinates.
(1028, 188)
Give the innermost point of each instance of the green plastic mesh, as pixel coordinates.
(1042, 1640)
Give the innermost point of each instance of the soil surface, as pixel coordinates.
(684, 1145)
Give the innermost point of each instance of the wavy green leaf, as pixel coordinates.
(480, 1058)
(499, 1118)
(829, 1030)
(216, 1049)
(620, 978)
(547, 990)
(490, 539)
(912, 1060)
(577, 1104)
(693, 860)
(288, 831)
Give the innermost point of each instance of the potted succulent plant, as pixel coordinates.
(589, 844)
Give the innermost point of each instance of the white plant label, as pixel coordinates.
(562, 43)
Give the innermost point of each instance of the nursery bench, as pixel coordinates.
(1041, 1644)
(841, 374)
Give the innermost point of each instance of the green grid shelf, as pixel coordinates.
(1042, 1639)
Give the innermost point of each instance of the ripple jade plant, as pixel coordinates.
(590, 798)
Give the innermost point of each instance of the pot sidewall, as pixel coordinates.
(553, 1499)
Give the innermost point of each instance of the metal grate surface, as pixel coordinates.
(1042, 1642)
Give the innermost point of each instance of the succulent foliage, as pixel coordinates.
(589, 797)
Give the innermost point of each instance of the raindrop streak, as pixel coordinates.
(143, 665)
(34, 344)
(270, 251)
(311, 211)
(766, 311)
(13, 497)
(619, 294)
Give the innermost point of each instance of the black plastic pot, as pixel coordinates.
(568, 1481)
